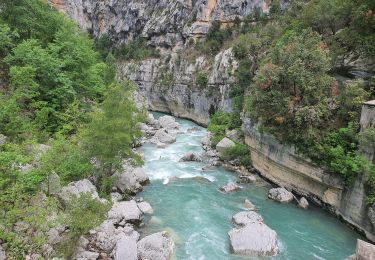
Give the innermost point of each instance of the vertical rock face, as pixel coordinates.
(162, 21)
(170, 84)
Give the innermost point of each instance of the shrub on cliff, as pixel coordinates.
(240, 152)
(202, 80)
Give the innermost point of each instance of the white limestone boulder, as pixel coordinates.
(156, 246)
(127, 211)
(224, 144)
(76, 189)
(168, 122)
(280, 194)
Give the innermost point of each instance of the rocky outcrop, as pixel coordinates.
(280, 194)
(191, 157)
(75, 189)
(131, 180)
(166, 23)
(252, 237)
(156, 246)
(282, 165)
(224, 144)
(169, 83)
(127, 211)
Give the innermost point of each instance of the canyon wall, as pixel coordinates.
(170, 84)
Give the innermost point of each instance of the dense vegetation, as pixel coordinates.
(57, 90)
(289, 79)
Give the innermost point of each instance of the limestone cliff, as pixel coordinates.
(166, 23)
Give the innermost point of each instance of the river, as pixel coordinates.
(189, 206)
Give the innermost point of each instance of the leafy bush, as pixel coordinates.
(219, 123)
(82, 215)
(239, 151)
(202, 80)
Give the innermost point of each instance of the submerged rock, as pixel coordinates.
(280, 194)
(192, 156)
(230, 187)
(156, 246)
(161, 145)
(224, 144)
(303, 203)
(248, 205)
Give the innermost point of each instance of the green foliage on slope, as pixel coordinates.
(55, 88)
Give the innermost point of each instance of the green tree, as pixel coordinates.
(113, 129)
(292, 89)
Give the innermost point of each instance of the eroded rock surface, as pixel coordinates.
(280, 194)
(252, 237)
(156, 246)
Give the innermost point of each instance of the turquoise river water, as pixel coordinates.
(188, 205)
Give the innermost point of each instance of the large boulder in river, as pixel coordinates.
(127, 211)
(168, 122)
(230, 187)
(164, 136)
(156, 246)
(190, 157)
(252, 237)
(76, 189)
(131, 180)
(224, 144)
(280, 194)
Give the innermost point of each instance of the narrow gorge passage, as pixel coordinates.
(190, 207)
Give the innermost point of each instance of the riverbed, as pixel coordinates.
(188, 204)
